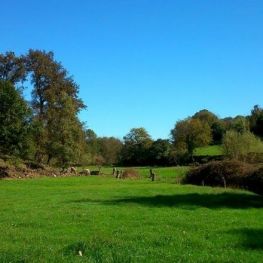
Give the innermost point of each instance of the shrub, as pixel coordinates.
(254, 181)
(34, 165)
(223, 173)
(3, 172)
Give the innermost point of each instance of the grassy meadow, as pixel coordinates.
(211, 150)
(102, 219)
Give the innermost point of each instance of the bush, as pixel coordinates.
(34, 165)
(254, 181)
(223, 173)
(3, 172)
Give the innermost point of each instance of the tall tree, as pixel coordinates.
(56, 105)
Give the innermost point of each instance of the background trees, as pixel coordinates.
(256, 121)
(238, 145)
(49, 130)
(189, 134)
(136, 147)
(216, 125)
(110, 149)
(102, 150)
(160, 153)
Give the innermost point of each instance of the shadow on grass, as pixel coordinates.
(251, 238)
(193, 200)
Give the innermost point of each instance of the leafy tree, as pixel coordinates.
(91, 144)
(110, 148)
(56, 105)
(218, 130)
(160, 152)
(15, 117)
(136, 147)
(56, 129)
(216, 125)
(256, 121)
(102, 150)
(12, 68)
(240, 124)
(238, 145)
(90, 135)
(206, 117)
(65, 133)
(189, 134)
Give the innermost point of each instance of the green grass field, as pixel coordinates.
(109, 220)
(212, 150)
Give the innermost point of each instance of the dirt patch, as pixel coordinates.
(130, 173)
(25, 170)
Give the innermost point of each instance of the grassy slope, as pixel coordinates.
(211, 150)
(51, 219)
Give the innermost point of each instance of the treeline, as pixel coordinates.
(239, 137)
(47, 129)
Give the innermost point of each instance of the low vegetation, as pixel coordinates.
(227, 174)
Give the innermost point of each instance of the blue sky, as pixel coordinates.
(147, 62)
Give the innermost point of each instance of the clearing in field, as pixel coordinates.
(95, 219)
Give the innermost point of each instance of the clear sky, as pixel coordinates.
(147, 62)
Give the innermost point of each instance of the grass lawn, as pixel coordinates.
(212, 150)
(109, 220)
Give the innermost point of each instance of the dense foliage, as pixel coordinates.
(239, 145)
(55, 130)
(15, 117)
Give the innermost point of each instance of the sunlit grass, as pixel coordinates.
(212, 150)
(109, 220)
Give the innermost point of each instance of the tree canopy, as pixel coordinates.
(189, 134)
